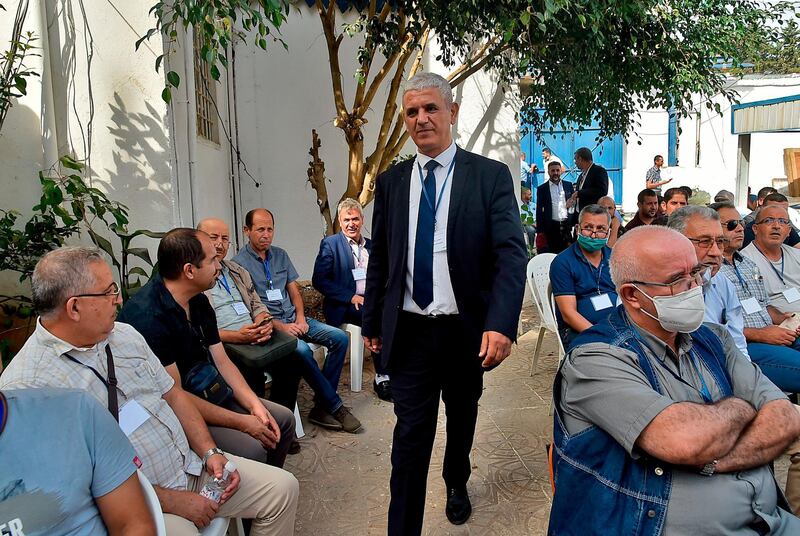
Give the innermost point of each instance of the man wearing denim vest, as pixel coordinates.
(662, 426)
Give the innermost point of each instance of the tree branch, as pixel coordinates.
(328, 20)
(387, 66)
(316, 176)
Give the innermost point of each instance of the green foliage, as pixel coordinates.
(14, 74)
(778, 53)
(67, 207)
(699, 197)
(216, 24)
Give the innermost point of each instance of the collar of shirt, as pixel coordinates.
(660, 349)
(249, 249)
(443, 159)
(578, 252)
(352, 242)
(60, 346)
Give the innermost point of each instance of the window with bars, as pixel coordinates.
(205, 89)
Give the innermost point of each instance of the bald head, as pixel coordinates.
(219, 232)
(650, 253)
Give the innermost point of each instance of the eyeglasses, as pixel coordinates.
(697, 276)
(770, 221)
(113, 291)
(706, 243)
(223, 239)
(733, 224)
(600, 232)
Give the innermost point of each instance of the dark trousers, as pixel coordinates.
(354, 317)
(285, 374)
(431, 357)
(558, 237)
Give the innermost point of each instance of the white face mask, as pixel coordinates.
(682, 312)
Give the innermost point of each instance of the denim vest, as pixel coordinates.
(600, 489)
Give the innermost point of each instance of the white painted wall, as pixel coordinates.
(717, 166)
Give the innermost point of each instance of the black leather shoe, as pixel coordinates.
(383, 390)
(458, 507)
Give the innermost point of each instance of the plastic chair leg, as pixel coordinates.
(298, 424)
(356, 356)
(542, 330)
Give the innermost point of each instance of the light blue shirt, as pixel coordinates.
(60, 450)
(723, 307)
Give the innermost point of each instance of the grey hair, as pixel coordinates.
(625, 266)
(424, 80)
(593, 209)
(348, 204)
(61, 274)
(680, 218)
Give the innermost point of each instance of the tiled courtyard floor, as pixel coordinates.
(344, 478)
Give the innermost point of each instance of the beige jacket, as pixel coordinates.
(244, 283)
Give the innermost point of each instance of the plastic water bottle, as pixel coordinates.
(216, 486)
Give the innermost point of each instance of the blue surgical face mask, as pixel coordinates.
(591, 244)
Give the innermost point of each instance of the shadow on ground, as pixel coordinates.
(344, 478)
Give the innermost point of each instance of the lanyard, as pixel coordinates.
(704, 391)
(357, 257)
(3, 412)
(267, 271)
(779, 274)
(740, 278)
(224, 282)
(435, 208)
(111, 383)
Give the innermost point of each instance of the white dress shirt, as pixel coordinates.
(444, 300)
(361, 260)
(557, 201)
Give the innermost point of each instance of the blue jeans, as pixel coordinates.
(781, 364)
(324, 382)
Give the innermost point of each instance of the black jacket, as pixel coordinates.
(594, 186)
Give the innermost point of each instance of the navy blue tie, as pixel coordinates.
(423, 246)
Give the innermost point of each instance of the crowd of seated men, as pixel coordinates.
(746, 296)
(182, 369)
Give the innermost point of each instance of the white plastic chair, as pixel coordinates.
(538, 275)
(298, 424)
(219, 526)
(356, 355)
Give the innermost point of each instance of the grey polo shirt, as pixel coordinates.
(282, 273)
(604, 385)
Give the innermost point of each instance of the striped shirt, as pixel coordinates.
(749, 284)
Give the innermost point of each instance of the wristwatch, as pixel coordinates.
(709, 468)
(210, 453)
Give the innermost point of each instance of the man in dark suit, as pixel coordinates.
(340, 275)
(444, 292)
(554, 204)
(592, 183)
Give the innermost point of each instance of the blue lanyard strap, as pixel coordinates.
(3, 411)
(779, 274)
(740, 278)
(267, 271)
(224, 281)
(435, 208)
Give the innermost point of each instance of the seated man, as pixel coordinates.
(674, 198)
(528, 208)
(701, 226)
(778, 263)
(243, 319)
(762, 194)
(647, 203)
(174, 317)
(661, 416)
(340, 274)
(275, 279)
(87, 485)
(773, 347)
(779, 200)
(75, 341)
(616, 229)
(581, 282)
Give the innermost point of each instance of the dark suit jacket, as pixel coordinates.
(485, 250)
(594, 187)
(544, 205)
(333, 276)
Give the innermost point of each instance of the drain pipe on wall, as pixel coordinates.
(191, 117)
(48, 112)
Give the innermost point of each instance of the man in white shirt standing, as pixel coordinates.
(554, 207)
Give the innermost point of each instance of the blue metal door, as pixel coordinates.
(564, 142)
